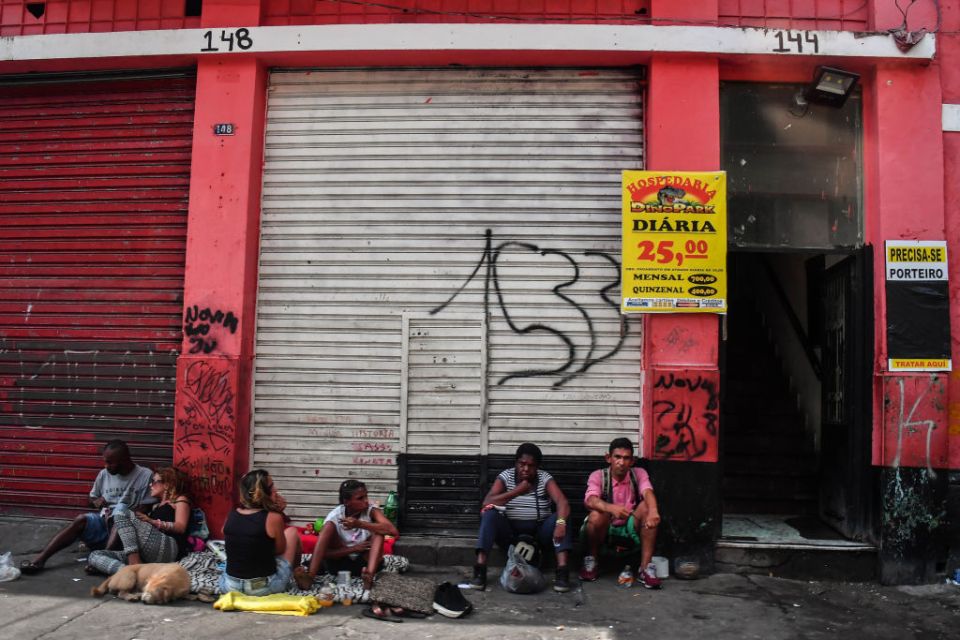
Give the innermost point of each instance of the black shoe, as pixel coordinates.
(449, 602)
(561, 583)
(479, 581)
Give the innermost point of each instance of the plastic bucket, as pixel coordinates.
(662, 565)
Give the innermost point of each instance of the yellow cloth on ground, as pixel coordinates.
(281, 604)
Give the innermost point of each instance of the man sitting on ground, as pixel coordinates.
(121, 484)
(519, 503)
(623, 513)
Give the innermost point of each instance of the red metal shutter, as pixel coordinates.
(94, 176)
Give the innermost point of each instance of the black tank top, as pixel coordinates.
(250, 551)
(167, 513)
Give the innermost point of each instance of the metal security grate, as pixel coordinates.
(94, 180)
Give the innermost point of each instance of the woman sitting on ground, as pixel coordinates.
(351, 538)
(261, 549)
(157, 536)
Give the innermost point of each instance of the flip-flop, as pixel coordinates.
(400, 612)
(28, 567)
(383, 615)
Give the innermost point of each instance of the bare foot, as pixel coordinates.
(303, 579)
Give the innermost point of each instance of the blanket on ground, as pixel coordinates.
(205, 569)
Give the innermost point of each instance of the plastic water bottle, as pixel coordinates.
(390, 507)
(327, 594)
(625, 579)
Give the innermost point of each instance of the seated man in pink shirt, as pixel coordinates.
(623, 513)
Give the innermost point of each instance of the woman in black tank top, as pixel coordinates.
(157, 536)
(261, 549)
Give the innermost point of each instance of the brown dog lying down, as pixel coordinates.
(152, 583)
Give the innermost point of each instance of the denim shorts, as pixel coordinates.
(276, 583)
(95, 531)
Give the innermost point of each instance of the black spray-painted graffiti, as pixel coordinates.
(197, 323)
(206, 418)
(569, 370)
(685, 411)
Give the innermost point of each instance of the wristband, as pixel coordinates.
(561, 521)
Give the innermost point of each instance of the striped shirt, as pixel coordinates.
(525, 507)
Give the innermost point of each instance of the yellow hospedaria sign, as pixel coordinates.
(674, 257)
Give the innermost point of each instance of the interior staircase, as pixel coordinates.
(770, 465)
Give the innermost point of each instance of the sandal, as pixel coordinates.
(378, 612)
(400, 612)
(29, 567)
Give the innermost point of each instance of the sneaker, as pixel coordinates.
(449, 602)
(479, 581)
(590, 571)
(561, 583)
(648, 577)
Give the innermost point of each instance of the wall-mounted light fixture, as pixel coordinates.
(831, 86)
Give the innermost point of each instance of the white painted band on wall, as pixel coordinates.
(462, 37)
(951, 117)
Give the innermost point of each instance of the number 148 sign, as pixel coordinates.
(674, 242)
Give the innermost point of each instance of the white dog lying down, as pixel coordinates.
(152, 583)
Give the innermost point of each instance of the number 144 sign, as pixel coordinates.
(674, 242)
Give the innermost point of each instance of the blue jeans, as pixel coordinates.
(95, 531)
(276, 583)
(495, 527)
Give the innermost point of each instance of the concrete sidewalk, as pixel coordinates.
(56, 604)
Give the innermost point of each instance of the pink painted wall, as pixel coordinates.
(212, 418)
(683, 133)
(906, 138)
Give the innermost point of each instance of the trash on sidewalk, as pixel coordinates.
(8, 572)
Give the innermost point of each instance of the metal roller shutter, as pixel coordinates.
(94, 176)
(439, 270)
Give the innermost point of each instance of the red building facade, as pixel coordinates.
(238, 230)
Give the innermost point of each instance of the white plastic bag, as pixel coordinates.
(8, 572)
(519, 576)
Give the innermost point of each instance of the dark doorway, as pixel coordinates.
(796, 424)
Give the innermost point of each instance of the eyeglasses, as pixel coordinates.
(156, 481)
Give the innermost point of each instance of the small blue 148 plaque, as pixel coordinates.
(223, 129)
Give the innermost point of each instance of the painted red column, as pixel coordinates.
(683, 134)
(910, 421)
(909, 159)
(913, 153)
(212, 420)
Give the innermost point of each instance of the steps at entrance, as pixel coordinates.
(798, 562)
(791, 546)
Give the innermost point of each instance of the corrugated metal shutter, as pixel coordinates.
(441, 194)
(94, 176)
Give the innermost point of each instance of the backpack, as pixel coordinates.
(606, 493)
(197, 530)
